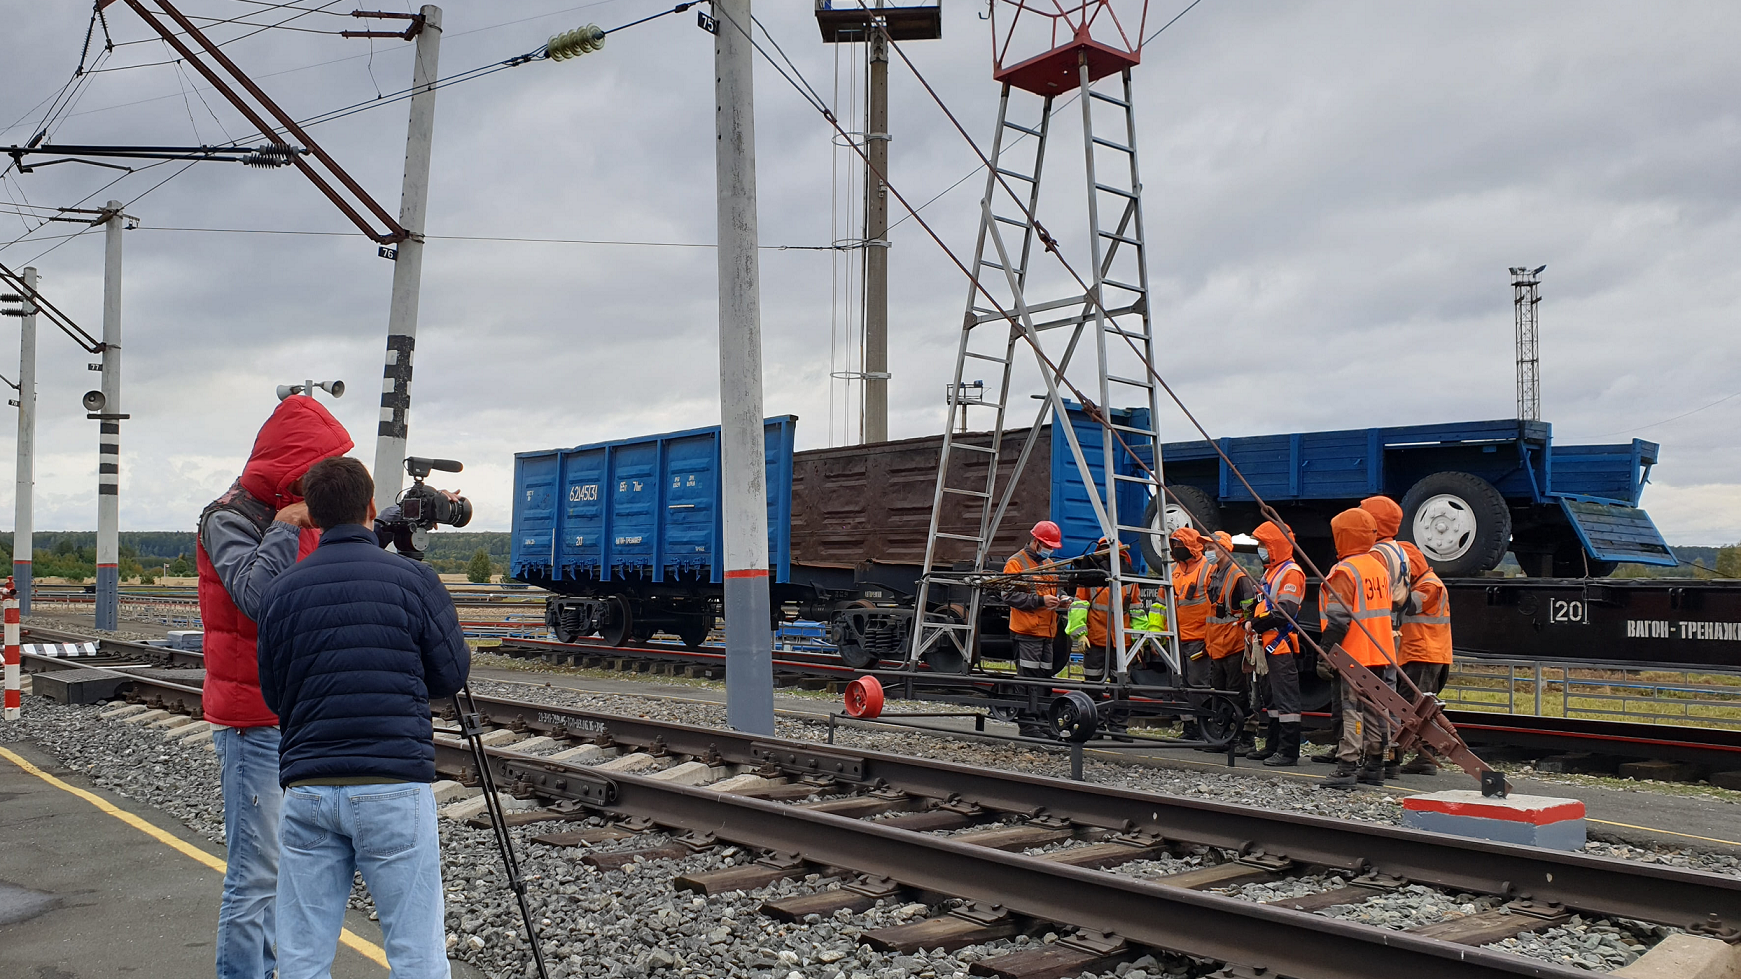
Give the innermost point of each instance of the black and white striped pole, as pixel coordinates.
(407, 266)
(106, 409)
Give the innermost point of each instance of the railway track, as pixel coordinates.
(896, 828)
(1716, 749)
(1116, 874)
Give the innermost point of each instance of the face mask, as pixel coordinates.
(1043, 551)
(1181, 555)
(1213, 557)
(1263, 554)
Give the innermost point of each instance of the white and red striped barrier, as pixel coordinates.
(12, 658)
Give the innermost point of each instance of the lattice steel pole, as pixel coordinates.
(1525, 297)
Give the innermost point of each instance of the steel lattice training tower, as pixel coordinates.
(1525, 297)
(1008, 309)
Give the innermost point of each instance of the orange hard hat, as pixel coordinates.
(1047, 533)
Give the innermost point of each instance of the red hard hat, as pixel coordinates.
(1047, 533)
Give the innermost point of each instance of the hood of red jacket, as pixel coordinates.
(300, 433)
(1272, 538)
(1386, 515)
(1355, 532)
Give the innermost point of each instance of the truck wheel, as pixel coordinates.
(1199, 512)
(1459, 521)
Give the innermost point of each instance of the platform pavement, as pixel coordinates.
(86, 895)
(1637, 816)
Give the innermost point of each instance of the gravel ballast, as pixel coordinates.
(632, 923)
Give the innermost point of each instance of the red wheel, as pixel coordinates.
(864, 697)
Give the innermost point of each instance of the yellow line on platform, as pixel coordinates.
(366, 948)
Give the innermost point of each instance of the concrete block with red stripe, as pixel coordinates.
(1533, 820)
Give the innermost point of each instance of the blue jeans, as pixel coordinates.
(248, 759)
(386, 831)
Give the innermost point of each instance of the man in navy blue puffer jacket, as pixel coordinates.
(354, 641)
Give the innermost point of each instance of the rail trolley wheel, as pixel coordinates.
(864, 697)
(1219, 720)
(621, 627)
(1073, 717)
(693, 629)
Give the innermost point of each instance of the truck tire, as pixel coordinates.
(1459, 521)
(1199, 511)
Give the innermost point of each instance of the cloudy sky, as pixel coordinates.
(1333, 194)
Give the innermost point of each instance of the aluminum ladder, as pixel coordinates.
(1001, 317)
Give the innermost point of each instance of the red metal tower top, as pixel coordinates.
(1039, 45)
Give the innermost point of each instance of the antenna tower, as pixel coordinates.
(1525, 297)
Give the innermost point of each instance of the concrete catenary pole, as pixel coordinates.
(876, 235)
(23, 524)
(749, 664)
(408, 267)
(109, 441)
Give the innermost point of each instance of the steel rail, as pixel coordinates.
(1597, 885)
(1717, 748)
(1292, 943)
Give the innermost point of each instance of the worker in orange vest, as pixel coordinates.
(1231, 593)
(1191, 603)
(1354, 613)
(1095, 608)
(1191, 607)
(1273, 622)
(1034, 601)
(1387, 520)
(1426, 638)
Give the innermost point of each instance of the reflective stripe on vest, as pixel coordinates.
(1224, 600)
(1396, 564)
(1272, 578)
(1041, 622)
(1373, 645)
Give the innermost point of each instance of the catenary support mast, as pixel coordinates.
(876, 243)
(408, 266)
(23, 520)
(749, 665)
(109, 441)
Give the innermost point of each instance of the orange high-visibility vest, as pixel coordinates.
(1191, 601)
(1224, 634)
(1369, 580)
(1041, 622)
(1426, 635)
(1100, 611)
(1285, 580)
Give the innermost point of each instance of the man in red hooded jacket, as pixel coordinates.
(247, 537)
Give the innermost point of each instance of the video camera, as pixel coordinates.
(422, 507)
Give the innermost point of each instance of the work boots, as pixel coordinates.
(1372, 773)
(1272, 742)
(1326, 757)
(1346, 776)
(1287, 743)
